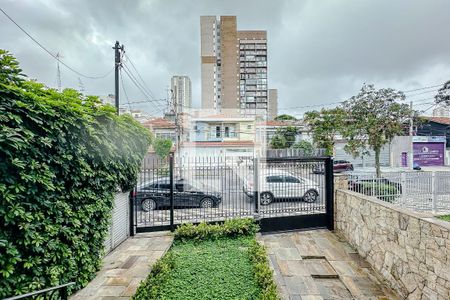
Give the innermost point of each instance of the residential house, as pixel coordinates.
(162, 128)
(219, 135)
(268, 129)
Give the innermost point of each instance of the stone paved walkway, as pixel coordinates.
(125, 267)
(316, 265)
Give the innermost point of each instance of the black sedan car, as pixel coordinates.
(156, 195)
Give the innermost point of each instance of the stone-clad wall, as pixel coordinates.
(410, 250)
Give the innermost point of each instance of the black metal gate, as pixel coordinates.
(281, 193)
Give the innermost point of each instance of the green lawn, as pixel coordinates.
(207, 269)
(212, 261)
(445, 218)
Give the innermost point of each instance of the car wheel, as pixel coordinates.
(206, 203)
(265, 198)
(349, 169)
(310, 196)
(148, 205)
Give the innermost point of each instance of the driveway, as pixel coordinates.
(318, 265)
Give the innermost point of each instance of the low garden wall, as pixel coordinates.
(411, 251)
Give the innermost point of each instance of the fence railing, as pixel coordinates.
(211, 189)
(419, 191)
(294, 152)
(56, 292)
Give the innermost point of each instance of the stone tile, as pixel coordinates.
(362, 287)
(332, 289)
(295, 285)
(311, 297)
(110, 291)
(117, 281)
(287, 254)
(293, 268)
(316, 274)
(319, 268)
(125, 267)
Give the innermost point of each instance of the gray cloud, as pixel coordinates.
(319, 52)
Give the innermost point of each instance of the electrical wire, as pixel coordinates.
(142, 91)
(139, 75)
(52, 55)
(123, 89)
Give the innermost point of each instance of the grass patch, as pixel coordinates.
(223, 264)
(445, 218)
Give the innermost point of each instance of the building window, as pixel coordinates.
(249, 126)
(217, 131)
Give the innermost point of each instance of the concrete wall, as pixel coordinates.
(411, 251)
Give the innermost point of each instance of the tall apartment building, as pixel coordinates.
(233, 66)
(182, 91)
(273, 104)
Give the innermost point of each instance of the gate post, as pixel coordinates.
(329, 192)
(131, 211)
(172, 227)
(256, 184)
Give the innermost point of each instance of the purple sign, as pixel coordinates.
(429, 154)
(404, 159)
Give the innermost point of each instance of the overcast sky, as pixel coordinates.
(319, 51)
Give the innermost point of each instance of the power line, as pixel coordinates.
(123, 89)
(423, 88)
(138, 86)
(139, 75)
(51, 54)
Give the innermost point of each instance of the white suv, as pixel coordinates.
(279, 184)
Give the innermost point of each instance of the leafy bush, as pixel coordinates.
(159, 274)
(445, 218)
(383, 191)
(263, 273)
(203, 231)
(62, 157)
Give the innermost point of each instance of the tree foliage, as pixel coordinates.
(443, 95)
(284, 137)
(325, 125)
(285, 118)
(374, 117)
(306, 147)
(62, 158)
(162, 147)
(10, 72)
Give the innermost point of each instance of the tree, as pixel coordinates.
(285, 118)
(162, 147)
(10, 72)
(443, 95)
(305, 146)
(325, 125)
(284, 137)
(374, 118)
(278, 142)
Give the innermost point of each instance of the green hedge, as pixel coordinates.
(203, 231)
(382, 191)
(62, 158)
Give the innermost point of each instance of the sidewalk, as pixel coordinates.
(316, 265)
(125, 267)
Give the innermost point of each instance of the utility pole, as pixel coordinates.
(178, 128)
(117, 64)
(411, 119)
(58, 72)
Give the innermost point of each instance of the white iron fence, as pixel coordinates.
(419, 191)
